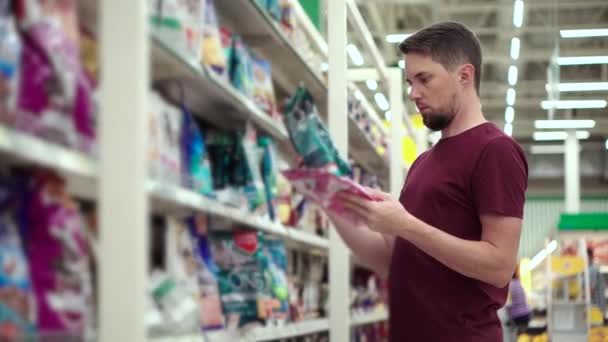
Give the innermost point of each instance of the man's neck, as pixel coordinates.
(468, 115)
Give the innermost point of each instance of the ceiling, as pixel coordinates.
(492, 21)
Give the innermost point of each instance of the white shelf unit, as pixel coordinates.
(118, 181)
(372, 317)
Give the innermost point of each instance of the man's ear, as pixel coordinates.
(466, 74)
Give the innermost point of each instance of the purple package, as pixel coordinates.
(55, 96)
(59, 260)
(321, 187)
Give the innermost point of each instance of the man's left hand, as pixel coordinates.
(386, 215)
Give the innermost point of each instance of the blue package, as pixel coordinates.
(196, 166)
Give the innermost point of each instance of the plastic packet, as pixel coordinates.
(277, 274)
(10, 56)
(241, 75)
(209, 295)
(244, 291)
(263, 89)
(212, 45)
(180, 24)
(321, 187)
(196, 167)
(169, 144)
(309, 135)
(254, 185)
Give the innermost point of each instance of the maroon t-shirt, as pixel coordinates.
(479, 171)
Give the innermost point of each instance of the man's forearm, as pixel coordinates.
(371, 248)
(475, 259)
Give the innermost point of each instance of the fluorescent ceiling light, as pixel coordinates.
(324, 66)
(354, 54)
(509, 115)
(359, 95)
(564, 124)
(508, 129)
(387, 115)
(547, 149)
(538, 258)
(518, 13)
(582, 60)
(606, 144)
(371, 84)
(397, 38)
(381, 101)
(559, 135)
(515, 47)
(512, 75)
(402, 64)
(511, 97)
(599, 32)
(581, 86)
(574, 104)
(409, 90)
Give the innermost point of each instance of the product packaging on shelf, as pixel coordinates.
(54, 96)
(243, 287)
(58, 254)
(180, 24)
(169, 134)
(17, 316)
(309, 135)
(241, 74)
(182, 267)
(196, 168)
(276, 256)
(263, 89)
(207, 273)
(10, 56)
(254, 184)
(270, 171)
(213, 54)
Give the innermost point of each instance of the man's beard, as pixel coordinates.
(437, 121)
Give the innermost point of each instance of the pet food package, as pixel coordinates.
(277, 275)
(196, 168)
(178, 309)
(10, 56)
(321, 187)
(59, 260)
(263, 89)
(309, 136)
(180, 24)
(269, 169)
(170, 144)
(244, 290)
(55, 100)
(254, 184)
(212, 50)
(182, 266)
(212, 316)
(241, 74)
(17, 316)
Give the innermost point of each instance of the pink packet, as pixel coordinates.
(321, 187)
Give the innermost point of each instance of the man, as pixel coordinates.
(449, 244)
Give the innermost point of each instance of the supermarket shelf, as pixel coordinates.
(260, 334)
(183, 78)
(364, 152)
(168, 198)
(81, 174)
(79, 169)
(369, 317)
(264, 36)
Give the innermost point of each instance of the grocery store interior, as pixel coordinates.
(161, 163)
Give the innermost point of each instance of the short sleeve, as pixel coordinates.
(500, 179)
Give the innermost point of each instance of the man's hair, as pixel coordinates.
(448, 43)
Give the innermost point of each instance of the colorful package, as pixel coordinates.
(182, 265)
(17, 314)
(322, 186)
(169, 144)
(241, 74)
(10, 56)
(243, 287)
(55, 96)
(196, 167)
(254, 185)
(277, 274)
(59, 260)
(269, 174)
(207, 272)
(221, 150)
(263, 89)
(179, 310)
(212, 46)
(179, 23)
(155, 107)
(309, 135)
